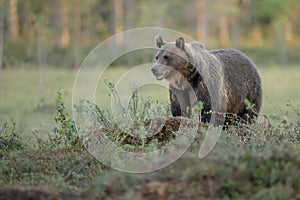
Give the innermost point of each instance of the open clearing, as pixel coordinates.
(259, 161)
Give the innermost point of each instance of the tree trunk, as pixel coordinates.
(14, 19)
(1, 36)
(236, 27)
(30, 30)
(224, 31)
(201, 22)
(57, 23)
(130, 13)
(118, 20)
(77, 52)
(160, 13)
(65, 33)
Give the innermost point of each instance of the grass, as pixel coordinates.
(259, 161)
(280, 85)
(28, 96)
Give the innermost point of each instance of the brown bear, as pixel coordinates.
(223, 80)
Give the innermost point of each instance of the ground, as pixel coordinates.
(260, 161)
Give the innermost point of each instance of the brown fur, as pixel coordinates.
(221, 79)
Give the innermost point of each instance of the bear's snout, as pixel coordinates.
(154, 70)
(160, 72)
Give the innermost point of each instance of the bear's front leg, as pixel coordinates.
(180, 103)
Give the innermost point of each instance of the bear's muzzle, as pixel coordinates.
(160, 72)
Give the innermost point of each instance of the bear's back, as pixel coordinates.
(242, 80)
(236, 65)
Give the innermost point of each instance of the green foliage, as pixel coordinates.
(266, 11)
(10, 138)
(200, 106)
(44, 26)
(267, 56)
(249, 105)
(140, 112)
(64, 133)
(139, 109)
(18, 56)
(257, 161)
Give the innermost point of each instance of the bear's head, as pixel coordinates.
(171, 61)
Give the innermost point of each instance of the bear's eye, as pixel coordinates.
(156, 57)
(166, 57)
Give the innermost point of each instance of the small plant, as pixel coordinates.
(138, 109)
(143, 114)
(65, 131)
(9, 137)
(197, 109)
(249, 105)
(133, 105)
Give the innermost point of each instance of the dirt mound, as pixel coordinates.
(32, 194)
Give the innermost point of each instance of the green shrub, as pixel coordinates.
(10, 139)
(64, 132)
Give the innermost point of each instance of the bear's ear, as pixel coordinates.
(159, 41)
(180, 43)
(202, 46)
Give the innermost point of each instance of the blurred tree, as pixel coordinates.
(272, 15)
(118, 20)
(130, 10)
(77, 37)
(201, 22)
(41, 22)
(57, 24)
(14, 19)
(266, 11)
(104, 18)
(154, 13)
(58, 32)
(65, 32)
(2, 10)
(222, 19)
